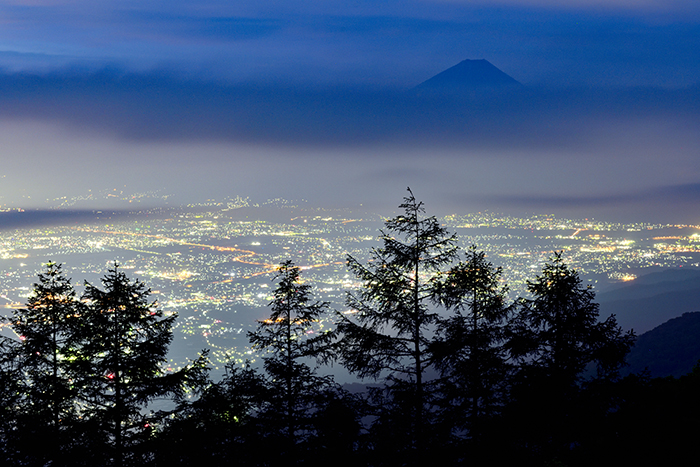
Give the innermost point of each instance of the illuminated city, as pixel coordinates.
(213, 263)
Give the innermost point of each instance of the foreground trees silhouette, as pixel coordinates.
(42, 375)
(220, 426)
(285, 342)
(545, 365)
(564, 355)
(558, 333)
(84, 371)
(286, 414)
(296, 394)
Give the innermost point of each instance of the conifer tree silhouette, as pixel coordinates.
(124, 343)
(286, 336)
(393, 319)
(562, 348)
(558, 332)
(470, 351)
(46, 326)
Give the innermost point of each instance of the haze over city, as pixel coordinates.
(313, 101)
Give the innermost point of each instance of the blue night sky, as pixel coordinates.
(310, 100)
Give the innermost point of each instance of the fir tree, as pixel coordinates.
(393, 319)
(470, 352)
(558, 329)
(124, 344)
(563, 349)
(286, 337)
(45, 327)
(47, 405)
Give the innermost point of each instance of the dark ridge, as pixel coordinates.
(671, 349)
(468, 75)
(652, 299)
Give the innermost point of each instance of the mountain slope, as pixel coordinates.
(468, 75)
(671, 349)
(652, 299)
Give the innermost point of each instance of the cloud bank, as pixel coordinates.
(578, 151)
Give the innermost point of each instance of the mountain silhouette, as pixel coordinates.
(671, 349)
(468, 75)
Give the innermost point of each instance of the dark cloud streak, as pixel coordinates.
(671, 203)
(163, 108)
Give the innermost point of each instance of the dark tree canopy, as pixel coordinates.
(558, 328)
(45, 327)
(388, 330)
(461, 375)
(220, 426)
(287, 334)
(84, 371)
(43, 376)
(566, 359)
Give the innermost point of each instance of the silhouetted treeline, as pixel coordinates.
(457, 374)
